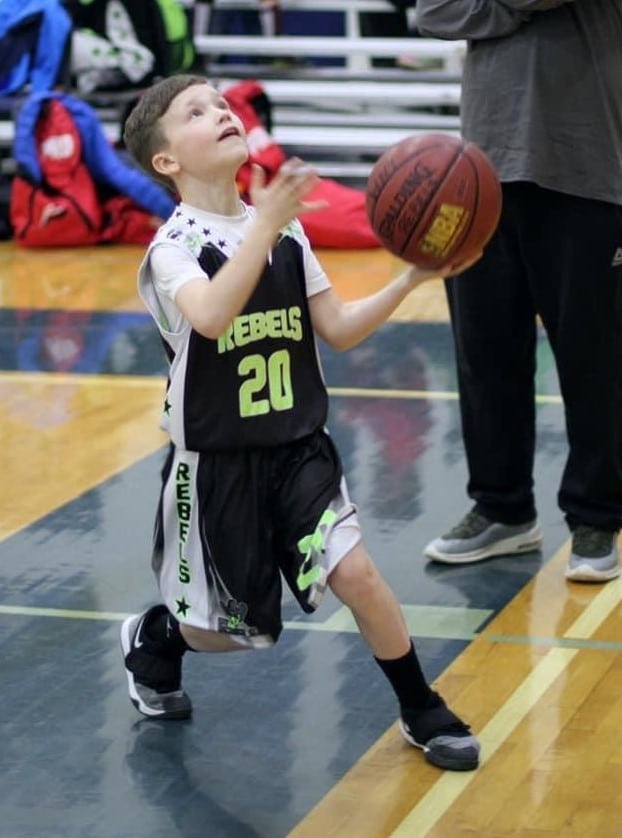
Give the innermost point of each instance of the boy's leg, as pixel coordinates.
(319, 536)
(202, 501)
(153, 646)
(426, 721)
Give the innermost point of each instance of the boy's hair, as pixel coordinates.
(142, 133)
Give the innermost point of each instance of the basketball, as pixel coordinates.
(433, 200)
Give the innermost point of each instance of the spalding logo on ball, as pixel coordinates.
(434, 200)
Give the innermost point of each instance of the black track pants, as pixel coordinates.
(557, 256)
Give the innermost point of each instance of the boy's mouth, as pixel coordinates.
(229, 132)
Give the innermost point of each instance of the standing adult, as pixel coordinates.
(386, 25)
(541, 94)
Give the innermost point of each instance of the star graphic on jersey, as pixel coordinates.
(191, 222)
(178, 214)
(182, 606)
(167, 407)
(222, 242)
(206, 231)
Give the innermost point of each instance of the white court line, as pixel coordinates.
(433, 805)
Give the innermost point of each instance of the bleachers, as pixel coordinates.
(352, 47)
(448, 53)
(339, 118)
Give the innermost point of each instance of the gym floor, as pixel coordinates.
(299, 740)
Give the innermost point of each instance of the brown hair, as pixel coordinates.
(142, 133)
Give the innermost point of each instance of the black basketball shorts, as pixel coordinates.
(230, 525)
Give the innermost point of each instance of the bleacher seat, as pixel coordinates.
(338, 118)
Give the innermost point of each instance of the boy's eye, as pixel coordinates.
(195, 112)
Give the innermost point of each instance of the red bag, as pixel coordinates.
(64, 209)
(126, 223)
(344, 222)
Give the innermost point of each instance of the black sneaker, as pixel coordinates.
(444, 739)
(154, 679)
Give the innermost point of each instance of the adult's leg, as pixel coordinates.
(571, 244)
(493, 320)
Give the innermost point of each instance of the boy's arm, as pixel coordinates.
(342, 325)
(210, 306)
(477, 19)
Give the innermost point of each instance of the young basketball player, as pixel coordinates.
(253, 486)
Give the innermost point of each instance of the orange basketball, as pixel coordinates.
(434, 200)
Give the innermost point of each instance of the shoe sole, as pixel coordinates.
(586, 573)
(525, 542)
(447, 763)
(139, 704)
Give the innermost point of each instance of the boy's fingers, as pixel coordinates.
(290, 165)
(258, 177)
(313, 206)
(296, 169)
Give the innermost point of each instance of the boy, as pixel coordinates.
(252, 486)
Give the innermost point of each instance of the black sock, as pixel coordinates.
(407, 680)
(162, 629)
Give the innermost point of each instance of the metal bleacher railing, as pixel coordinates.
(340, 118)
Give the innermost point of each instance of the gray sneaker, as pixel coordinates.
(476, 538)
(446, 741)
(594, 556)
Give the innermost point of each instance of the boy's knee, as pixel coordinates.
(355, 576)
(204, 640)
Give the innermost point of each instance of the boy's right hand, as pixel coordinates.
(282, 199)
(418, 275)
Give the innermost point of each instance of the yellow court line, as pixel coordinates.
(64, 613)
(95, 379)
(432, 395)
(433, 805)
(157, 382)
(424, 621)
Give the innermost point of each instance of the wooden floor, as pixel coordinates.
(542, 687)
(541, 683)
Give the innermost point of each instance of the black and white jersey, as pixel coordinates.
(260, 383)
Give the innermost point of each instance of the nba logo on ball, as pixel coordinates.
(433, 200)
(446, 226)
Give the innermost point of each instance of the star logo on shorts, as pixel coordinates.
(182, 606)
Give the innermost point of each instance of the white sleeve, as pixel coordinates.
(171, 267)
(315, 275)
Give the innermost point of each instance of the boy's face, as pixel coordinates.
(203, 136)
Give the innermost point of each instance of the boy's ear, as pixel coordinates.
(164, 163)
